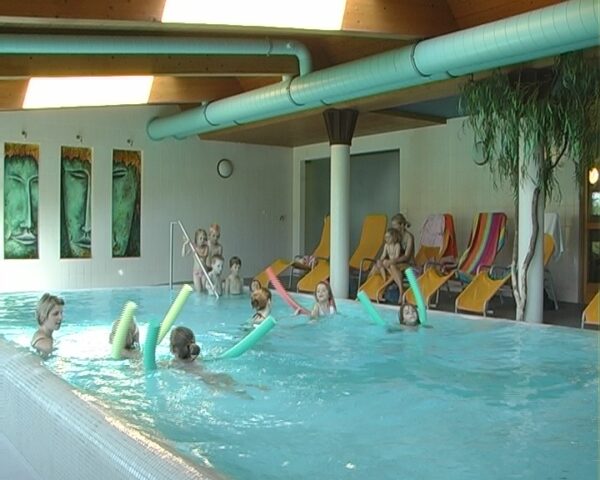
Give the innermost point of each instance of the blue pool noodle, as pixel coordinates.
(366, 303)
(149, 355)
(249, 340)
(421, 307)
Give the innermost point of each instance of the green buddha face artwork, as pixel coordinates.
(76, 202)
(21, 198)
(126, 194)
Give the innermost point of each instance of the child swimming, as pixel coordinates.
(132, 340)
(409, 315)
(325, 303)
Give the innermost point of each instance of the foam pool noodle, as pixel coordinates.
(122, 328)
(421, 307)
(174, 310)
(249, 340)
(366, 303)
(149, 354)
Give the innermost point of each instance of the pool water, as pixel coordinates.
(343, 398)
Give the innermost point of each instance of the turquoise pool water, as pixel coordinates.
(343, 398)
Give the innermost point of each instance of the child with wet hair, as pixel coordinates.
(255, 285)
(261, 302)
(324, 301)
(132, 340)
(183, 345)
(409, 315)
(234, 284)
(215, 276)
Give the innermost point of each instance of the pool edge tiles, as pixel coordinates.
(63, 436)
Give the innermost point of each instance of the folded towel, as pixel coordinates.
(432, 232)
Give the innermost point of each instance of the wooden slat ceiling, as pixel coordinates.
(369, 27)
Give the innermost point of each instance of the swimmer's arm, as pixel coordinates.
(314, 314)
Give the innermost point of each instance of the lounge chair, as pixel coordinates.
(371, 240)
(280, 265)
(437, 244)
(476, 295)
(486, 240)
(591, 314)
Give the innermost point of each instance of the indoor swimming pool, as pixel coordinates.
(343, 398)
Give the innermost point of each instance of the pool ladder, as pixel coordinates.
(172, 225)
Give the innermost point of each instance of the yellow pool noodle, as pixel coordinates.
(171, 315)
(123, 327)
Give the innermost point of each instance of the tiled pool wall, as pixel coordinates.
(64, 435)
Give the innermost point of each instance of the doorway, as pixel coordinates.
(374, 188)
(590, 224)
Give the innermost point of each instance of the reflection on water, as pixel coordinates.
(350, 396)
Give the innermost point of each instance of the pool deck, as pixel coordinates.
(14, 466)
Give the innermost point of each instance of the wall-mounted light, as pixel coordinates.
(79, 137)
(224, 168)
(24, 133)
(130, 142)
(593, 175)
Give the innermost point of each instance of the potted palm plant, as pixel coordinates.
(526, 122)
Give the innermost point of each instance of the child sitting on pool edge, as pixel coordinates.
(132, 340)
(325, 303)
(409, 315)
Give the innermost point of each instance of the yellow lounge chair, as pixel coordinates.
(280, 265)
(476, 295)
(371, 239)
(591, 314)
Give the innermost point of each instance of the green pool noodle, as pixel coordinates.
(149, 354)
(122, 328)
(249, 340)
(421, 307)
(366, 303)
(171, 315)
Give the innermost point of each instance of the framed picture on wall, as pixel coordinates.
(21, 196)
(75, 202)
(126, 202)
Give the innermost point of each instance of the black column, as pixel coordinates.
(340, 125)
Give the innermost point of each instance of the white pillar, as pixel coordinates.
(534, 308)
(340, 220)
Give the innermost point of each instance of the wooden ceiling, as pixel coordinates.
(369, 27)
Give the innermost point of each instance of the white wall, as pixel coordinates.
(179, 181)
(437, 175)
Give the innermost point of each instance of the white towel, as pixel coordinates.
(552, 227)
(432, 232)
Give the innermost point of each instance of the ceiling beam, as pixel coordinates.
(194, 90)
(398, 113)
(406, 19)
(470, 13)
(21, 66)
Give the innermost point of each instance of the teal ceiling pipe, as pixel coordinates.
(537, 34)
(122, 45)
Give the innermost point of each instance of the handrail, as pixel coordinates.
(196, 256)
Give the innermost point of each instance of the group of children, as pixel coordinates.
(208, 257)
